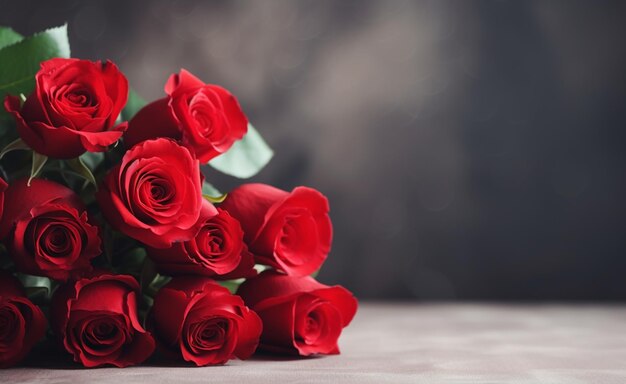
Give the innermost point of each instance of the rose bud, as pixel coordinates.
(217, 251)
(300, 316)
(96, 321)
(22, 324)
(154, 195)
(73, 108)
(200, 321)
(290, 231)
(47, 231)
(205, 118)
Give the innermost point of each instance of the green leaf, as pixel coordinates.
(39, 161)
(92, 159)
(231, 285)
(19, 62)
(246, 157)
(148, 274)
(133, 105)
(158, 282)
(209, 189)
(37, 293)
(82, 169)
(135, 256)
(30, 281)
(38, 288)
(211, 193)
(18, 144)
(131, 260)
(8, 36)
(146, 302)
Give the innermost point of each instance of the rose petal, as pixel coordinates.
(271, 286)
(152, 121)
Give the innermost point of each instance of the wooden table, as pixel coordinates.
(417, 343)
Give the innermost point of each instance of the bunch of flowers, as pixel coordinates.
(115, 245)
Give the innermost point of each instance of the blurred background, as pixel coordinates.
(471, 150)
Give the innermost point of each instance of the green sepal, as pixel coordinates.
(92, 159)
(78, 166)
(37, 165)
(16, 145)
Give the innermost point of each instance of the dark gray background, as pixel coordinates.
(470, 149)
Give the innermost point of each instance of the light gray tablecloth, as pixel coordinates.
(411, 343)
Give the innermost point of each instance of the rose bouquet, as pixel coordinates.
(114, 244)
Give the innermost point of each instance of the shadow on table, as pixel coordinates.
(48, 355)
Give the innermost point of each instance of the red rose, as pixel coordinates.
(3, 188)
(206, 118)
(288, 231)
(73, 108)
(22, 324)
(197, 319)
(300, 316)
(155, 194)
(96, 321)
(217, 251)
(47, 230)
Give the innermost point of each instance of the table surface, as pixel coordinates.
(417, 343)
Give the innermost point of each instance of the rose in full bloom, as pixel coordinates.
(200, 321)
(22, 324)
(300, 316)
(217, 251)
(154, 195)
(290, 231)
(96, 321)
(73, 108)
(47, 230)
(205, 118)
